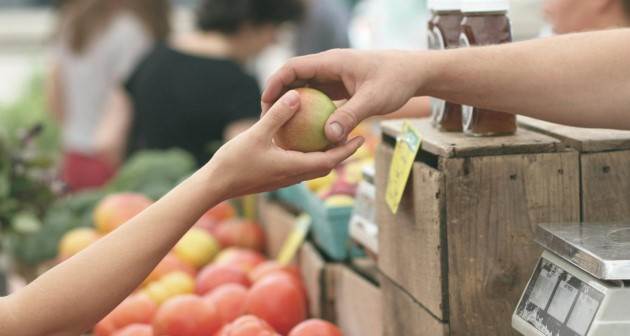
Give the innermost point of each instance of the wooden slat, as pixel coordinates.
(460, 145)
(278, 223)
(358, 304)
(606, 186)
(318, 282)
(410, 242)
(402, 316)
(493, 206)
(586, 140)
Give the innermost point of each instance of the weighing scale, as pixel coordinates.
(580, 286)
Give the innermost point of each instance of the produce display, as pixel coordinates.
(216, 280)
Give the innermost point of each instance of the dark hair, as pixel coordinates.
(626, 6)
(227, 16)
(83, 20)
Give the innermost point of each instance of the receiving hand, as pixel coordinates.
(374, 82)
(252, 163)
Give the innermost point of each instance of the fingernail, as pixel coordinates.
(292, 98)
(335, 130)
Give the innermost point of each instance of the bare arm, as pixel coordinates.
(54, 92)
(581, 79)
(73, 296)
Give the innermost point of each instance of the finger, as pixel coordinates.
(278, 114)
(324, 67)
(349, 115)
(307, 163)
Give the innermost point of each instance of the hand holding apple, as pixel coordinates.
(271, 167)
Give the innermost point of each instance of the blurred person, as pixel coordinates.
(192, 92)
(99, 44)
(323, 27)
(569, 16)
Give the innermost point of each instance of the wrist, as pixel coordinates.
(216, 186)
(430, 69)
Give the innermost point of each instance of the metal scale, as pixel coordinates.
(580, 286)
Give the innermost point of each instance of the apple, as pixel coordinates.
(197, 247)
(270, 267)
(241, 233)
(75, 241)
(187, 315)
(304, 132)
(213, 276)
(114, 210)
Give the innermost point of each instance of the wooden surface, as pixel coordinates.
(317, 281)
(410, 251)
(582, 139)
(278, 223)
(606, 186)
(358, 304)
(460, 145)
(402, 316)
(493, 206)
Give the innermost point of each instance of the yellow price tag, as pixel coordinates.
(407, 145)
(295, 239)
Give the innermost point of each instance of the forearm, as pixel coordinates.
(79, 292)
(581, 79)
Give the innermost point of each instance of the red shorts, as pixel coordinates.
(81, 171)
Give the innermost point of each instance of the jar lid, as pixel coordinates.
(480, 6)
(444, 5)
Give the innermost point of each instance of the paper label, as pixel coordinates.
(295, 239)
(407, 145)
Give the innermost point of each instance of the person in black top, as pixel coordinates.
(192, 91)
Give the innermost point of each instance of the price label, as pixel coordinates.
(407, 145)
(295, 239)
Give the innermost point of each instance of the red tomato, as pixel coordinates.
(222, 211)
(240, 233)
(248, 326)
(135, 330)
(279, 301)
(315, 328)
(272, 266)
(137, 308)
(242, 258)
(229, 300)
(213, 276)
(186, 315)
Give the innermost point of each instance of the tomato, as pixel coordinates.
(137, 308)
(135, 330)
(279, 301)
(242, 258)
(248, 326)
(272, 266)
(187, 315)
(315, 327)
(168, 265)
(213, 276)
(229, 300)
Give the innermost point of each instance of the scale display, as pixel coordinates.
(557, 303)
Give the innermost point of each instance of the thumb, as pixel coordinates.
(348, 116)
(280, 113)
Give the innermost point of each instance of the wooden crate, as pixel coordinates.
(278, 221)
(358, 303)
(319, 277)
(604, 167)
(402, 315)
(461, 243)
